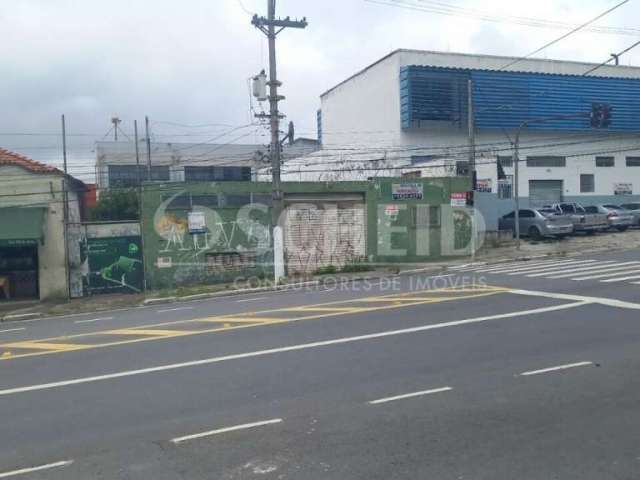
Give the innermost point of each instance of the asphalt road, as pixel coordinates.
(490, 372)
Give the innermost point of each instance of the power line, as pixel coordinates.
(613, 57)
(451, 10)
(562, 37)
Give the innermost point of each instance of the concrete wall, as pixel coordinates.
(174, 257)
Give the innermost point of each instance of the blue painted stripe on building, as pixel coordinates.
(506, 99)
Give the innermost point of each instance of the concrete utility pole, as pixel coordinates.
(472, 162)
(146, 127)
(65, 207)
(135, 139)
(268, 27)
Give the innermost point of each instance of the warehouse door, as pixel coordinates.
(323, 231)
(544, 192)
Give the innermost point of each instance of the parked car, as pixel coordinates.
(582, 220)
(537, 223)
(634, 208)
(617, 217)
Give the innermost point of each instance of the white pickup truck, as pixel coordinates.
(582, 220)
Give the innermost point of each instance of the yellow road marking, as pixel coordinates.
(326, 309)
(149, 332)
(38, 345)
(245, 320)
(230, 320)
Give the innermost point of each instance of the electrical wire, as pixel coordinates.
(562, 37)
(611, 58)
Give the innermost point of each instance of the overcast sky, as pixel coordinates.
(187, 62)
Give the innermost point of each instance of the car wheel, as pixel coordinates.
(622, 229)
(534, 233)
(591, 232)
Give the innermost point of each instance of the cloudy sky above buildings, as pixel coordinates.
(186, 63)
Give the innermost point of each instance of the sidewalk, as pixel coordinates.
(14, 311)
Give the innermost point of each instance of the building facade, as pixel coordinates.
(408, 114)
(117, 165)
(37, 258)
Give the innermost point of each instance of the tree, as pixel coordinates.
(116, 205)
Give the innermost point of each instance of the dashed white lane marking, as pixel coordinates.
(251, 299)
(174, 309)
(503, 266)
(556, 368)
(93, 320)
(225, 430)
(24, 471)
(12, 330)
(291, 348)
(410, 395)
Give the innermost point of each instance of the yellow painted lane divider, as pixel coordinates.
(237, 321)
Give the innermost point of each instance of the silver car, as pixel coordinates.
(538, 223)
(617, 217)
(634, 209)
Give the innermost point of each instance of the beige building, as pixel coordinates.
(36, 259)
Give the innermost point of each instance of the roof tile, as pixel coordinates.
(8, 157)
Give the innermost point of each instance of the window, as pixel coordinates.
(505, 160)
(527, 214)
(633, 161)
(546, 161)
(587, 183)
(510, 215)
(216, 174)
(414, 174)
(591, 209)
(505, 187)
(631, 206)
(605, 162)
(180, 202)
(568, 208)
(132, 175)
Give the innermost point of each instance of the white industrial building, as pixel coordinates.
(408, 114)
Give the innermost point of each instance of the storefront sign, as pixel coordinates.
(197, 222)
(623, 189)
(407, 191)
(459, 199)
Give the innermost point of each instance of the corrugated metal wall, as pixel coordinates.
(506, 99)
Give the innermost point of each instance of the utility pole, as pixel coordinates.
(135, 139)
(146, 127)
(268, 27)
(472, 162)
(65, 207)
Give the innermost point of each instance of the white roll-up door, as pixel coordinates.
(543, 192)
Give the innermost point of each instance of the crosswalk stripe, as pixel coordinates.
(626, 271)
(572, 268)
(596, 270)
(520, 265)
(549, 267)
(623, 279)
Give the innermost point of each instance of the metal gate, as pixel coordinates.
(323, 230)
(543, 192)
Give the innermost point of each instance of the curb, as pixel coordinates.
(20, 316)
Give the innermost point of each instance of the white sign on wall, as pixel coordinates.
(484, 185)
(197, 222)
(623, 189)
(459, 199)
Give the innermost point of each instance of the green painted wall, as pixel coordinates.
(239, 234)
